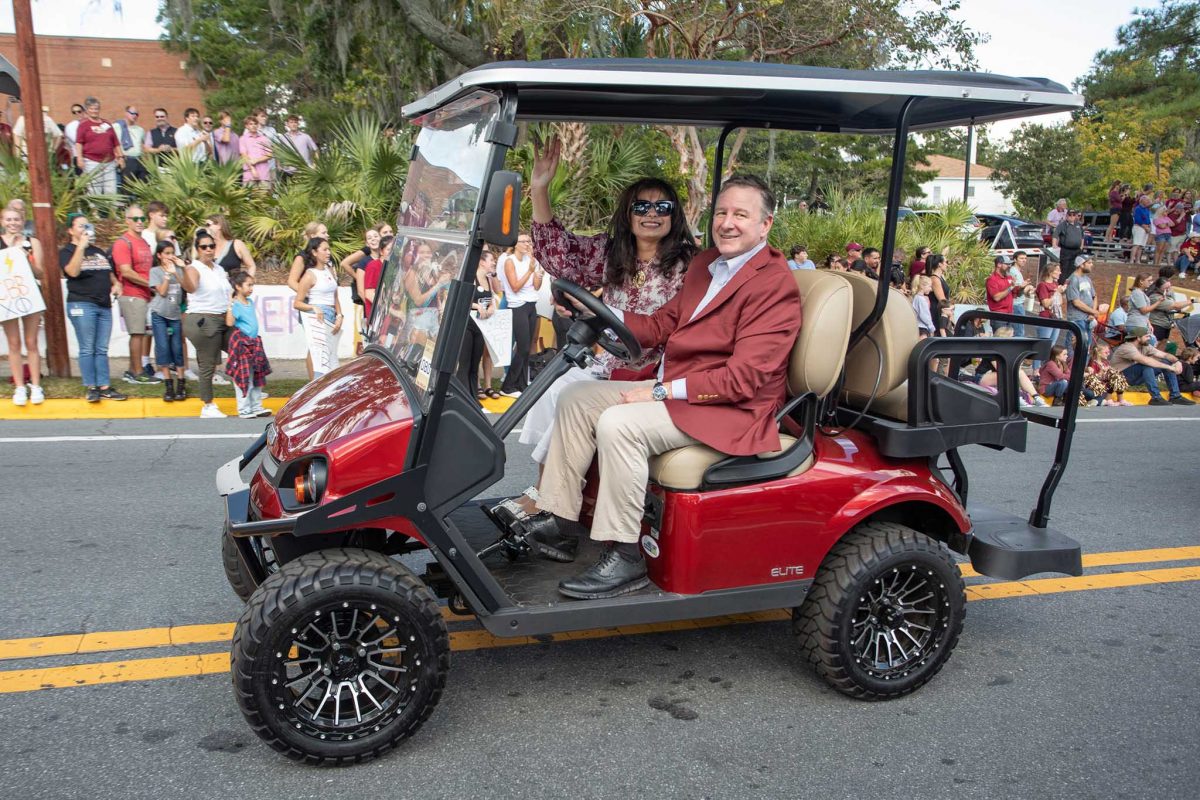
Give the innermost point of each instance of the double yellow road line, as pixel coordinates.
(146, 669)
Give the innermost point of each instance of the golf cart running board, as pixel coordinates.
(1006, 546)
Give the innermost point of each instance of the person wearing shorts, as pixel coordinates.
(133, 258)
(1142, 228)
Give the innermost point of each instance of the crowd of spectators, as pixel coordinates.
(1126, 347)
(111, 152)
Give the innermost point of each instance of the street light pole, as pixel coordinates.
(967, 159)
(39, 189)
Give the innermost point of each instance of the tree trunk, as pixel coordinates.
(462, 49)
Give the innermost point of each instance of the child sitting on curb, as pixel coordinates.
(247, 364)
(1054, 376)
(1102, 379)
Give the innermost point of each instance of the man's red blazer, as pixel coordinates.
(734, 354)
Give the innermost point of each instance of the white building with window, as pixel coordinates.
(983, 195)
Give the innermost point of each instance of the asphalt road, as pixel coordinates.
(1072, 694)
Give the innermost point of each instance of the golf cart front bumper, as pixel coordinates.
(236, 494)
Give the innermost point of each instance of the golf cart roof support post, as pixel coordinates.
(895, 187)
(459, 299)
(718, 168)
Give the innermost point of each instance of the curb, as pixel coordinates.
(148, 408)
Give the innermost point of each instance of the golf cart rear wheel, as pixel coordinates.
(884, 613)
(339, 656)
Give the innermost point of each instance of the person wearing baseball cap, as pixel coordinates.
(1000, 286)
(853, 249)
(1142, 364)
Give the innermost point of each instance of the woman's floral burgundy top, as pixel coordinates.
(581, 259)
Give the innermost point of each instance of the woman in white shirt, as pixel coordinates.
(204, 326)
(317, 302)
(521, 278)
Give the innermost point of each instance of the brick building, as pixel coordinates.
(117, 71)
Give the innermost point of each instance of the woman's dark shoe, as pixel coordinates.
(180, 389)
(169, 391)
(615, 574)
(553, 537)
(93, 394)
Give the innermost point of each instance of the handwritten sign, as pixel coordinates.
(497, 335)
(19, 292)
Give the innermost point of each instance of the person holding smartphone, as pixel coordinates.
(91, 287)
(166, 319)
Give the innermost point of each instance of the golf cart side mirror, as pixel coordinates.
(501, 218)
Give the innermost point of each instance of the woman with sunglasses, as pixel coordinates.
(204, 325)
(637, 263)
(232, 254)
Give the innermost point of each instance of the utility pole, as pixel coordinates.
(39, 185)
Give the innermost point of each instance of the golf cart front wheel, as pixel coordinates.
(339, 656)
(884, 613)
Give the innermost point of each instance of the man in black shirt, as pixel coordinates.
(1068, 237)
(91, 284)
(161, 138)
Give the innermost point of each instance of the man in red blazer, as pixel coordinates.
(727, 338)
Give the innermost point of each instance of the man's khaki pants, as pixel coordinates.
(592, 420)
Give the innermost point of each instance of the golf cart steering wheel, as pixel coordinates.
(611, 333)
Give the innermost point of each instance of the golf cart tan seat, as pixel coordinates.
(817, 358)
(895, 335)
(945, 414)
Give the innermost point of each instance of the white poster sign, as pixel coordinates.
(497, 335)
(19, 292)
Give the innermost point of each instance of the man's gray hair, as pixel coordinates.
(90, 101)
(756, 183)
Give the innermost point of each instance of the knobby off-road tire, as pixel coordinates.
(240, 581)
(339, 656)
(884, 613)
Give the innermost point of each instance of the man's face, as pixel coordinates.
(93, 111)
(206, 124)
(1086, 266)
(1020, 262)
(293, 125)
(160, 119)
(131, 115)
(77, 111)
(873, 261)
(803, 206)
(252, 125)
(801, 256)
(158, 219)
(1001, 268)
(1144, 200)
(740, 222)
(193, 119)
(135, 219)
(262, 119)
(1060, 205)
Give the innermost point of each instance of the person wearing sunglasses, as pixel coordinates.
(133, 259)
(132, 138)
(209, 295)
(638, 264)
(160, 139)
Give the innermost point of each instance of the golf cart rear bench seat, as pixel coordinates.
(816, 361)
(914, 412)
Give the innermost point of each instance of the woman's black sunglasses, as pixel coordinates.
(661, 207)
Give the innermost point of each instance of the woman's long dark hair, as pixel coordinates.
(933, 261)
(621, 251)
(310, 253)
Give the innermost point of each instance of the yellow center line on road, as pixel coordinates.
(180, 635)
(29, 680)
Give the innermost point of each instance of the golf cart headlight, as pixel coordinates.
(310, 483)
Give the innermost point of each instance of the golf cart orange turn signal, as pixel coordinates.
(506, 217)
(309, 483)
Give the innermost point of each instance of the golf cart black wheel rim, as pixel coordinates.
(899, 621)
(345, 670)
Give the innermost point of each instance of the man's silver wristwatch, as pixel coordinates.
(659, 392)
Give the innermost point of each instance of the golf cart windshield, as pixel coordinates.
(433, 230)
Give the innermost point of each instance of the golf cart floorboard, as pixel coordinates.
(530, 580)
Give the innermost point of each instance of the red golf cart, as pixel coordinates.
(342, 650)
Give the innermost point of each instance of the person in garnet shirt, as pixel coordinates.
(1000, 287)
(98, 151)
